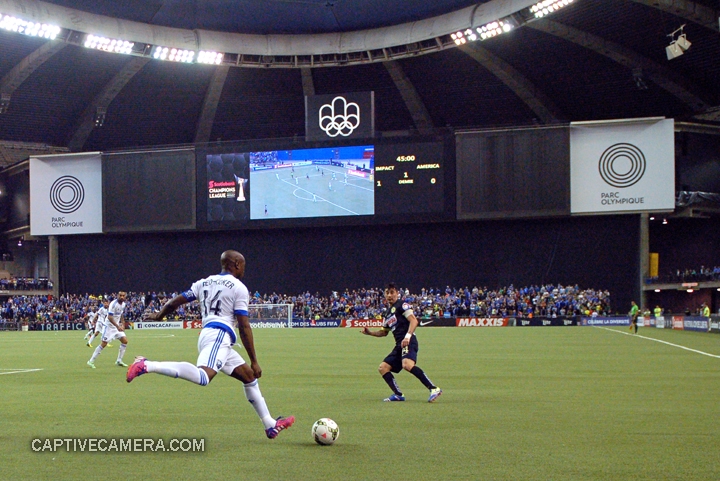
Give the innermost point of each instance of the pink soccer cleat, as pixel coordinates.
(137, 368)
(281, 424)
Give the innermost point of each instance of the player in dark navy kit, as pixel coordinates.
(400, 320)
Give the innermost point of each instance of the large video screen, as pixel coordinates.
(270, 185)
(325, 182)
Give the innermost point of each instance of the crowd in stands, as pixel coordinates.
(532, 301)
(703, 274)
(24, 284)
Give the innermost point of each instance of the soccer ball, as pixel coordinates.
(325, 431)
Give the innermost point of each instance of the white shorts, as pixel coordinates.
(215, 351)
(99, 328)
(111, 333)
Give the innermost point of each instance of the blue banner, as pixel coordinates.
(696, 323)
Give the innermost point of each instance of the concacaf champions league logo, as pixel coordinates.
(67, 194)
(339, 117)
(622, 165)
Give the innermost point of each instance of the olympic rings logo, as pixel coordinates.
(67, 194)
(621, 178)
(339, 117)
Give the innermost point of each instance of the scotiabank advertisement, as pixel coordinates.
(481, 321)
(361, 323)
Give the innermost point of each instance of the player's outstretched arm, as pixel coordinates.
(246, 337)
(378, 333)
(168, 308)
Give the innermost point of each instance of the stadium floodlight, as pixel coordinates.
(173, 54)
(678, 45)
(546, 7)
(495, 28)
(458, 38)
(31, 29)
(108, 44)
(210, 57)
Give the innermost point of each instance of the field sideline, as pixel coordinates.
(518, 403)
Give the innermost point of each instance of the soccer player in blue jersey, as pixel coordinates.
(223, 302)
(400, 320)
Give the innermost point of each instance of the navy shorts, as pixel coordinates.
(397, 355)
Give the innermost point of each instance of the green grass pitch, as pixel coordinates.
(522, 403)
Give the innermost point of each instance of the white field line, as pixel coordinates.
(662, 342)
(16, 371)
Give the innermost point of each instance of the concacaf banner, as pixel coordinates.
(66, 194)
(622, 166)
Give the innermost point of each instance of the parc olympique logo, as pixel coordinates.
(67, 194)
(629, 169)
(339, 117)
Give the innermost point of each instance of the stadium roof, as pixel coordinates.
(590, 60)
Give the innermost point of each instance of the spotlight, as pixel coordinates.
(547, 7)
(108, 44)
(664, 221)
(210, 57)
(678, 45)
(458, 38)
(657, 290)
(652, 218)
(495, 28)
(637, 74)
(173, 54)
(4, 102)
(20, 240)
(100, 116)
(690, 291)
(31, 29)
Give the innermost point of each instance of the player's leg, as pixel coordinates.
(96, 353)
(208, 343)
(409, 364)
(236, 367)
(94, 335)
(391, 364)
(121, 350)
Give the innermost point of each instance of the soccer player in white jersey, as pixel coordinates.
(100, 319)
(224, 305)
(114, 329)
(90, 318)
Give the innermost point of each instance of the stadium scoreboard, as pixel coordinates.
(304, 184)
(409, 178)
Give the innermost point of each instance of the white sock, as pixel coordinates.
(182, 370)
(92, 338)
(97, 352)
(121, 352)
(253, 394)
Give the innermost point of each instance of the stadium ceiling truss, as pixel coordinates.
(305, 52)
(660, 75)
(692, 11)
(535, 99)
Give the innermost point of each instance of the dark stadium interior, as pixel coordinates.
(592, 60)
